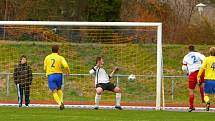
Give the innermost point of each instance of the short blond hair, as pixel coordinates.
(212, 51)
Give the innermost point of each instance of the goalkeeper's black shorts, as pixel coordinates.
(106, 86)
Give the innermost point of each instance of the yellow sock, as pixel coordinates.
(60, 94)
(56, 98)
(206, 99)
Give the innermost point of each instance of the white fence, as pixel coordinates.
(118, 76)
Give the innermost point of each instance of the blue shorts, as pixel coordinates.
(55, 81)
(209, 86)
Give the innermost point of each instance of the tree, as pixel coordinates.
(38, 9)
(103, 10)
(52, 10)
(15, 9)
(137, 10)
(176, 16)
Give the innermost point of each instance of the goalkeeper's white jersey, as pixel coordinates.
(193, 61)
(100, 75)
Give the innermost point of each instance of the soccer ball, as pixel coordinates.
(131, 77)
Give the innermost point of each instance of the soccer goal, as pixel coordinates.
(135, 47)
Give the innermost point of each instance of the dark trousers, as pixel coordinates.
(21, 90)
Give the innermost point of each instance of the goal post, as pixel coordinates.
(159, 66)
(158, 25)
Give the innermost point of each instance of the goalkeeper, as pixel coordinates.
(102, 82)
(53, 64)
(209, 67)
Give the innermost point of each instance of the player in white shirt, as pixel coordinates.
(191, 65)
(102, 83)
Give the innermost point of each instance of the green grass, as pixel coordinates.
(46, 114)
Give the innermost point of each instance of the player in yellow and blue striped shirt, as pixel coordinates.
(53, 64)
(209, 66)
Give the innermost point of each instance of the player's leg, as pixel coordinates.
(99, 91)
(60, 94)
(117, 90)
(56, 97)
(207, 101)
(191, 100)
(53, 87)
(207, 90)
(27, 94)
(201, 88)
(59, 82)
(192, 85)
(59, 85)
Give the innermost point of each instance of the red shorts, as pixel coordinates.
(193, 79)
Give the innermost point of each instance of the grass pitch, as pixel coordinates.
(53, 114)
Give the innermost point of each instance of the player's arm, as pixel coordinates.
(113, 72)
(66, 66)
(67, 70)
(201, 69)
(45, 64)
(93, 70)
(184, 66)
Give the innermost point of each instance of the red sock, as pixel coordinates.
(202, 94)
(191, 99)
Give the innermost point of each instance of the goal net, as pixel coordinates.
(135, 47)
